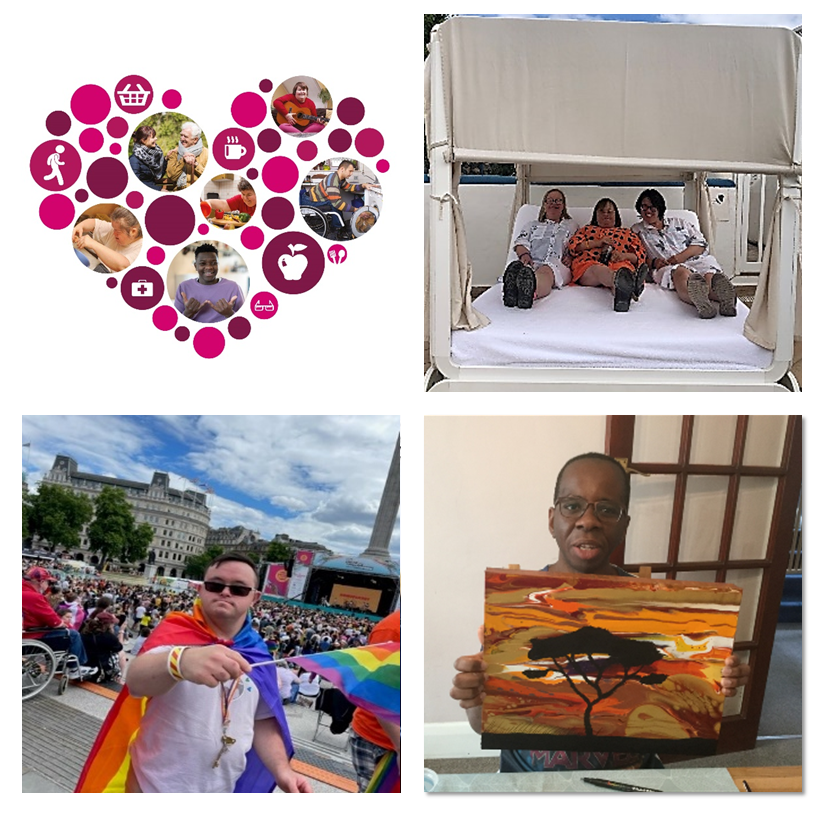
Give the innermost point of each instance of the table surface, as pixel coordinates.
(775, 778)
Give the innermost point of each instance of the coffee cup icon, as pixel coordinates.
(233, 152)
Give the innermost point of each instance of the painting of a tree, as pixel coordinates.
(604, 663)
(577, 662)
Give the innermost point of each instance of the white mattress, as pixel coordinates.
(577, 327)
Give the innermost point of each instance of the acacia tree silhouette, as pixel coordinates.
(603, 650)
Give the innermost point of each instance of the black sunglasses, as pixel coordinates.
(235, 590)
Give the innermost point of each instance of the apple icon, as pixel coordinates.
(293, 265)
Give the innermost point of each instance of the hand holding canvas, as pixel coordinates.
(735, 674)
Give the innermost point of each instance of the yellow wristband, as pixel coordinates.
(174, 663)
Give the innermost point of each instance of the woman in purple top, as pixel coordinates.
(210, 298)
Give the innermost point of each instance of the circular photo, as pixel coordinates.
(340, 199)
(228, 201)
(107, 237)
(168, 152)
(208, 281)
(301, 106)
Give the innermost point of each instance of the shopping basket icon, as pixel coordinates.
(133, 98)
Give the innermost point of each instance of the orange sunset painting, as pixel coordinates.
(612, 664)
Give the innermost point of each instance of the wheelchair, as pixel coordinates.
(40, 663)
(323, 220)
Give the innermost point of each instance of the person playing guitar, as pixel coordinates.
(296, 113)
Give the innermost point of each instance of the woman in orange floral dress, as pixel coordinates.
(605, 254)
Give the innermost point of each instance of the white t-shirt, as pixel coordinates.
(103, 233)
(181, 736)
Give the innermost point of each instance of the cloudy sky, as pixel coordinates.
(316, 478)
(783, 20)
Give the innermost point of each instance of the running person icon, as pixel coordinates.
(55, 163)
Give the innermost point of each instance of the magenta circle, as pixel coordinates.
(278, 213)
(233, 148)
(171, 99)
(155, 255)
(252, 173)
(263, 305)
(135, 200)
(133, 94)
(351, 111)
(369, 142)
(269, 140)
(55, 165)
(142, 288)
(266, 86)
(182, 333)
(117, 127)
(170, 220)
(248, 109)
(209, 342)
(57, 211)
(91, 140)
(81, 195)
(339, 140)
(285, 271)
(112, 282)
(252, 237)
(382, 165)
(107, 178)
(115, 149)
(203, 229)
(165, 318)
(90, 104)
(58, 123)
(307, 150)
(239, 327)
(280, 174)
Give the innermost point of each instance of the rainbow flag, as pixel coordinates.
(368, 676)
(386, 778)
(108, 763)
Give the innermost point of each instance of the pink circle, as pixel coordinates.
(264, 305)
(233, 148)
(165, 318)
(307, 150)
(156, 255)
(252, 237)
(369, 142)
(81, 195)
(203, 229)
(182, 333)
(133, 94)
(55, 165)
(57, 211)
(112, 282)
(269, 140)
(239, 327)
(171, 99)
(382, 165)
(90, 104)
(209, 342)
(280, 174)
(135, 200)
(252, 173)
(351, 111)
(248, 109)
(339, 140)
(58, 123)
(117, 127)
(266, 86)
(115, 149)
(278, 213)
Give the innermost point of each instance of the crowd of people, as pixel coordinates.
(668, 251)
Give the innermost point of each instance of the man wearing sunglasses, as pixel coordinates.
(588, 520)
(198, 714)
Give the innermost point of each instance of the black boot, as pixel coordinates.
(526, 284)
(624, 284)
(510, 286)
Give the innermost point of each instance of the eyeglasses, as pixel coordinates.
(604, 510)
(235, 590)
(553, 201)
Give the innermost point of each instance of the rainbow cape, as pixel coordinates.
(368, 676)
(386, 778)
(108, 763)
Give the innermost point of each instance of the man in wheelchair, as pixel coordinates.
(41, 622)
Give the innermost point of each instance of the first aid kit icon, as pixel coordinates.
(142, 288)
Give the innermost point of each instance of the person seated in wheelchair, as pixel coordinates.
(335, 192)
(40, 621)
(104, 648)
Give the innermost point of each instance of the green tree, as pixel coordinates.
(57, 515)
(279, 552)
(197, 565)
(138, 543)
(112, 530)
